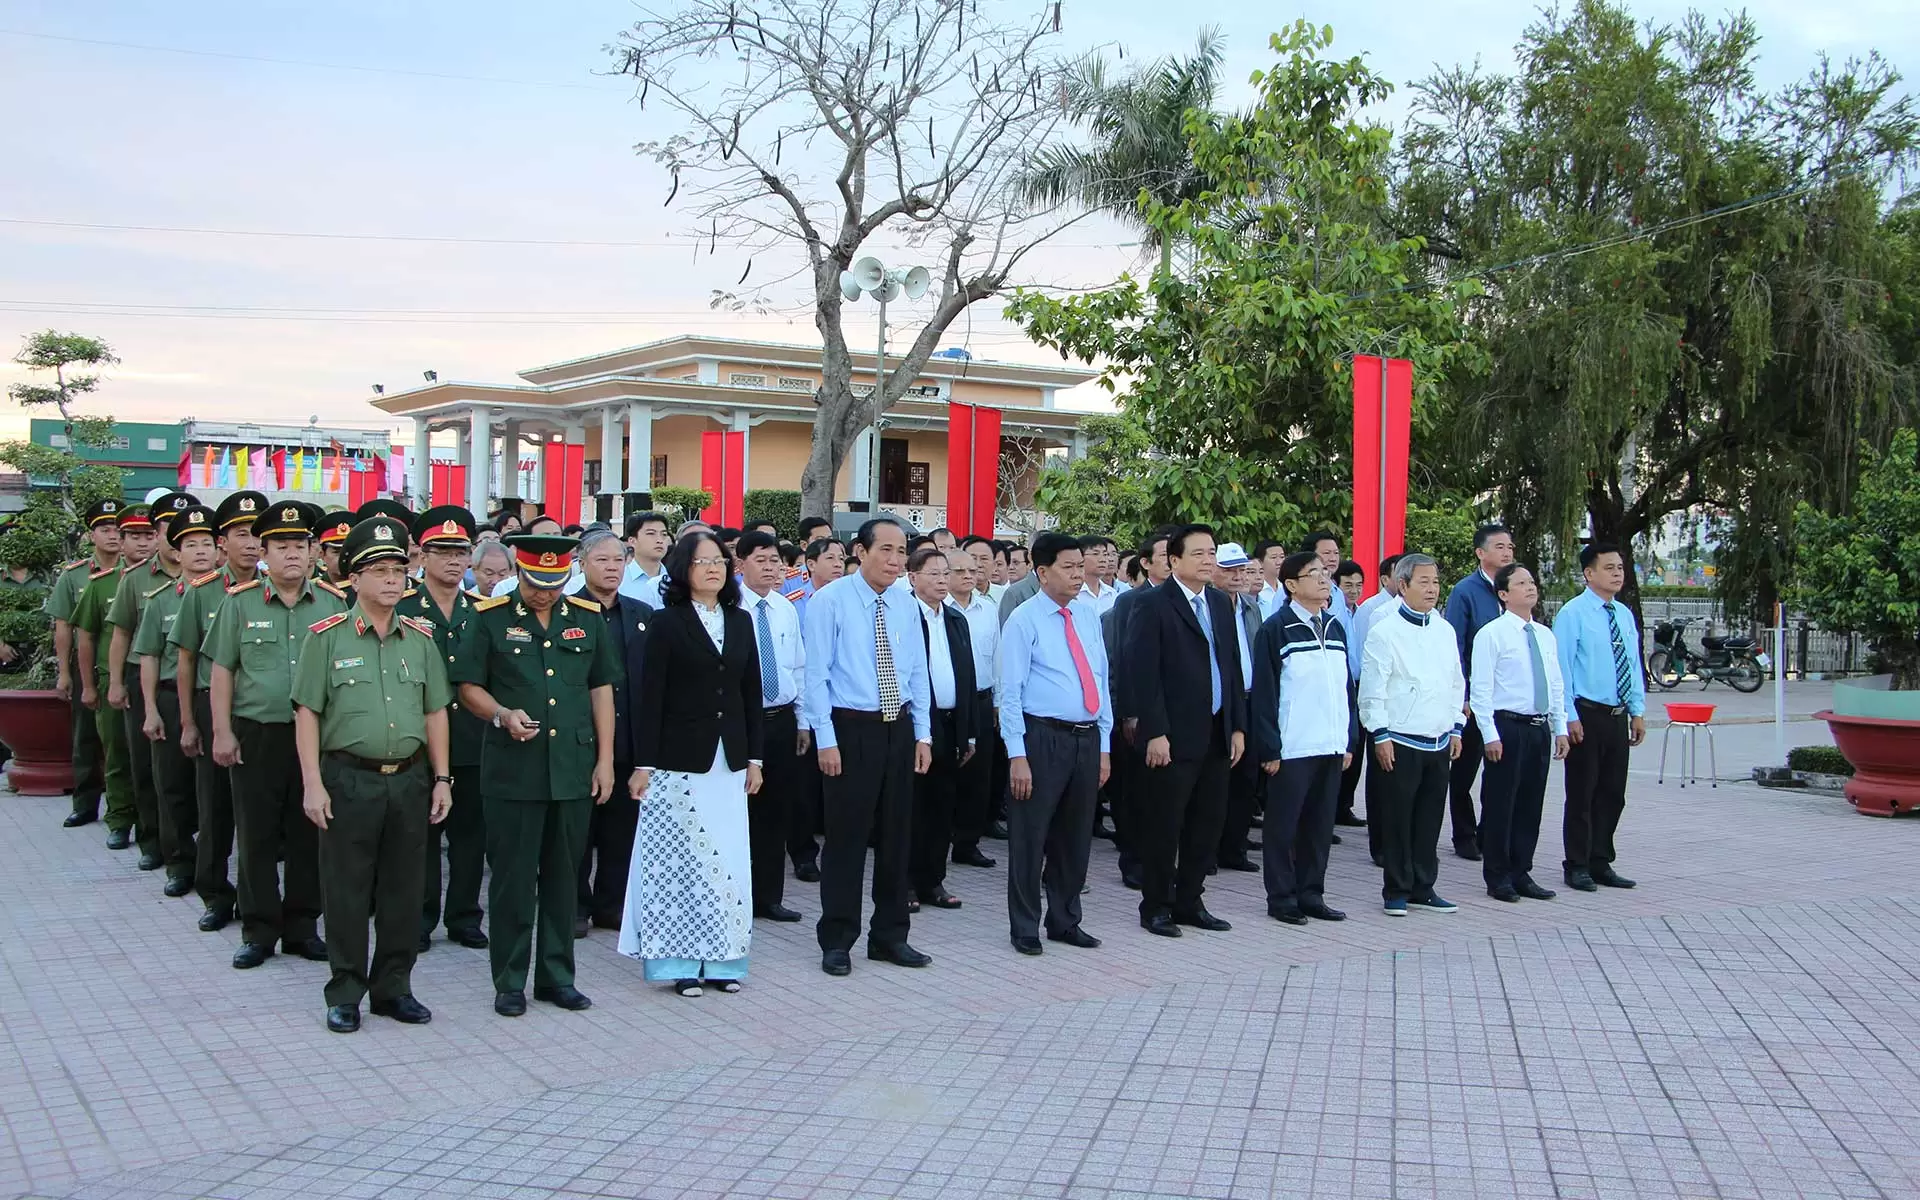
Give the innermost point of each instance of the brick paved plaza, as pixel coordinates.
(1742, 1025)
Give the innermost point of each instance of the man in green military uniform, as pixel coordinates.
(445, 534)
(539, 668)
(190, 533)
(90, 631)
(253, 646)
(160, 569)
(103, 532)
(213, 789)
(371, 699)
(332, 531)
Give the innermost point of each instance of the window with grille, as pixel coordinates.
(659, 473)
(795, 383)
(738, 379)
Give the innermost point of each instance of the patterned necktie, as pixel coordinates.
(1213, 659)
(883, 662)
(1539, 668)
(1622, 669)
(1089, 691)
(769, 665)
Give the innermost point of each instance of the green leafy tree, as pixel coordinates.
(779, 505)
(1446, 533)
(1859, 571)
(1105, 490)
(684, 502)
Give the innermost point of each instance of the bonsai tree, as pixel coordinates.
(62, 486)
(685, 503)
(1859, 571)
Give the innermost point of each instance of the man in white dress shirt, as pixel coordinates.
(980, 551)
(783, 664)
(1519, 701)
(972, 805)
(950, 681)
(1268, 556)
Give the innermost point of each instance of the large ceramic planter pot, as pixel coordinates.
(38, 727)
(1878, 729)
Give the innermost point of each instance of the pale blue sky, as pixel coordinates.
(106, 134)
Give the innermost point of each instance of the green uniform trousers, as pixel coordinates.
(213, 790)
(87, 781)
(270, 827)
(173, 782)
(370, 856)
(146, 802)
(110, 726)
(465, 832)
(534, 851)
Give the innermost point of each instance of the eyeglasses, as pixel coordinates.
(709, 562)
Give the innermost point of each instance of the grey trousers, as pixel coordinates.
(1050, 834)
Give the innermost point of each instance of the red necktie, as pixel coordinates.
(1089, 691)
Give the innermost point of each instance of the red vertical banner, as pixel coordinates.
(713, 452)
(986, 470)
(553, 478)
(735, 480)
(723, 476)
(1382, 430)
(960, 473)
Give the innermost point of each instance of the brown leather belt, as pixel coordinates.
(379, 766)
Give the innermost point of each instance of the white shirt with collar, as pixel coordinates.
(939, 656)
(1503, 674)
(1273, 597)
(982, 612)
(1103, 599)
(789, 647)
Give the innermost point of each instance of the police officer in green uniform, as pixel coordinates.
(331, 531)
(103, 532)
(190, 533)
(253, 646)
(445, 535)
(371, 699)
(539, 668)
(90, 630)
(233, 524)
(161, 569)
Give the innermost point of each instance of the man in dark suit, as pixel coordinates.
(1128, 778)
(949, 646)
(1470, 605)
(1193, 725)
(609, 853)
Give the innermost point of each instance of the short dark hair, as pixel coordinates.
(1260, 549)
(757, 522)
(679, 564)
(1349, 567)
(726, 533)
(818, 547)
(940, 529)
(1000, 548)
(1486, 531)
(1386, 565)
(639, 520)
(1153, 539)
(1022, 548)
(809, 524)
(1591, 552)
(1134, 567)
(789, 553)
(973, 539)
(754, 539)
(1049, 546)
(1314, 539)
(865, 536)
(918, 542)
(1298, 561)
(542, 518)
(1503, 578)
(1177, 540)
(574, 530)
(1094, 541)
(924, 555)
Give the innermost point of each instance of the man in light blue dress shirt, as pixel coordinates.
(1600, 662)
(869, 701)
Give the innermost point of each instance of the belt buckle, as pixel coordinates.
(389, 768)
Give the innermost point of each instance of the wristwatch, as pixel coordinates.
(446, 779)
(498, 714)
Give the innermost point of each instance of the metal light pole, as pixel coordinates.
(870, 277)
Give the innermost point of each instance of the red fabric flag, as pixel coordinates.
(1382, 428)
(280, 469)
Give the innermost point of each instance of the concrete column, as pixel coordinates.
(743, 425)
(479, 460)
(510, 451)
(639, 446)
(860, 473)
(610, 461)
(420, 467)
(1078, 449)
(538, 491)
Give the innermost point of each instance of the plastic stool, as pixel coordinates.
(1693, 718)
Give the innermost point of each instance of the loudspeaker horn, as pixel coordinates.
(916, 283)
(849, 286)
(868, 273)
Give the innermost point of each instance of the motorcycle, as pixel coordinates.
(1736, 660)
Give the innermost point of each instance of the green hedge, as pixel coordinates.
(778, 505)
(1823, 760)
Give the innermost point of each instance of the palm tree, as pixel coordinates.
(1138, 126)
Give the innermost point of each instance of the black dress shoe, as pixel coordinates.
(216, 918)
(565, 996)
(1162, 925)
(777, 912)
(1349, 820)
(75, 820)
(313, 949)
(472, 939)
(425, 944)
(1380, 861)
(151, 862)
(404, 1009)
(900, 954)
(344, 1018)
(1076, 936)
(1321, 912)
(1200, 918)
(1505, 895)
(1580, 880)
(1103, 830)
(997, 831)
(1608, 877)
(581, 925)
(1467, 851)
(119, 839)
(836, 962)
(971, 857)
(1333, 839)
(1239, 864)
(1028, 945)
(1130, 882)
(1288, 916)
(251, 955)
(807, 873)
(1531, 890)
(1254, 847)
(939, 898)
(510, 1004)
(177, 886)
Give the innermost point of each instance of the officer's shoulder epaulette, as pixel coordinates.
(491, 602)
(78, 562)
(331, 588)
(237, 588)
(209, 577)
(418, 625)
(409, 592)
(326, 623)
(101, 573)
(582, 602)
(156, 591)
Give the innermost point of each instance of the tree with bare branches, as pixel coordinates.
(819, 124)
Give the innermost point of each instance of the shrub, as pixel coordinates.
(686, 503)
(1821, 760)
(778, 505)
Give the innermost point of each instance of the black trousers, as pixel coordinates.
(173, 780)
(370, 869)
(1350, 778)
(770, 811)
(1406, 805)
(934, 797)
(1596, 786)
(804, 820)
(213, 790)
(1243, 799)
(871, 798)
(1050, 834)
(1130, 787)
(972, 804)
(465, 834)
(1512, 792)
(1179, 829)
(89, 758)
(146, 801)
(1298, 834)
(604, 864)
(271, 826)
(1460, 777)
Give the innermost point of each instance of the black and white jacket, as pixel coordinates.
(1300, 706)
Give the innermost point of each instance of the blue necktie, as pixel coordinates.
(1213, 659)
(1539, 669)
(769, 665)
(1622, 669)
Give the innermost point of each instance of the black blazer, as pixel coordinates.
(966, 711)
(627, 625)
(693, 698)
(1113, 628)
(1171, 650)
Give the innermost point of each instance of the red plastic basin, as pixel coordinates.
(1690, 714)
